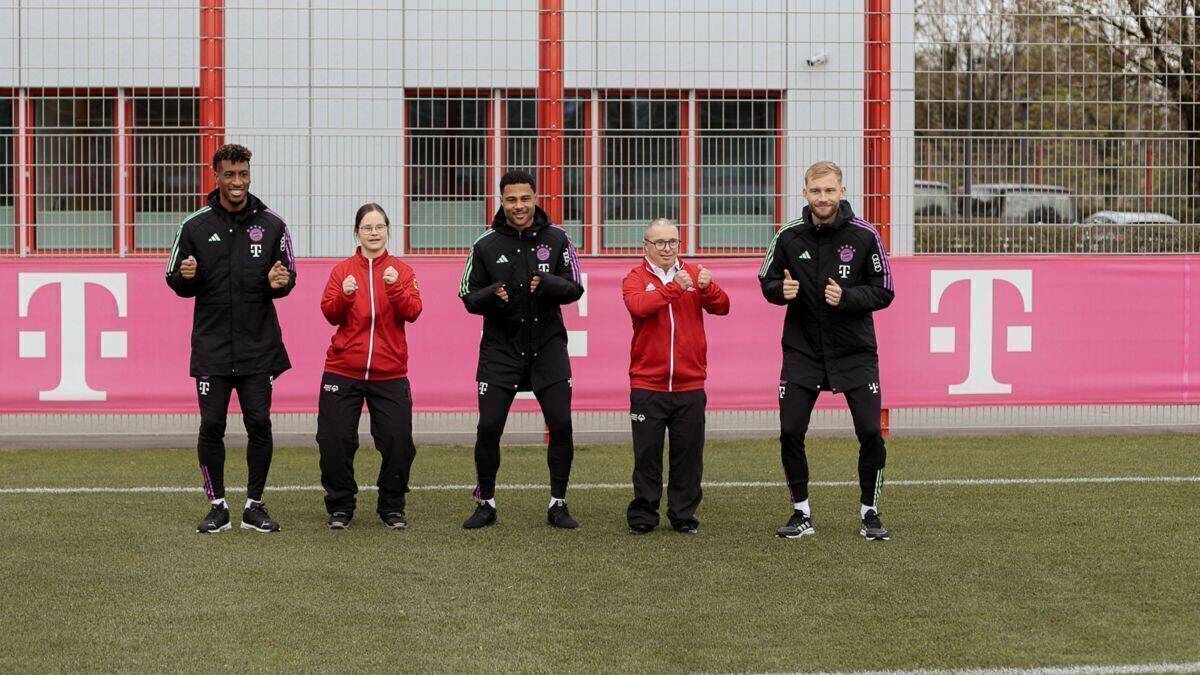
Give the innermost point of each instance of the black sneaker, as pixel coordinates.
(340, 520)
(798, 525)
(873, 529)
(394, 520)
(560, 517)
(641, 528)
(217, 520)
(687, 528)
(484, 516)
(256, 518)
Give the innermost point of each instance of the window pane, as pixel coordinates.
(166, 167)
(737, 172)
(73, 172)
(447, 166)
(641, 174)
(8, 155)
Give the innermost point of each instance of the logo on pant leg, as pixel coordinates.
(636, 417)
(332, 388)
(483, 388)
(782, 390)
(203, 387)
(874, 387)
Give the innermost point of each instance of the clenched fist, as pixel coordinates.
(187, 268)
(683, 279)
(390, 275)
(349, 284)
(791, 287)
(278, 276)
(503, 294)
(704, 278)
(533, 283)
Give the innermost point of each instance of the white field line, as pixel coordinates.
(950, 482)
(1193, 667)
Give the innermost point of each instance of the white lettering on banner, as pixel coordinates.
(72, 382)
(980, 379)
(256, 250)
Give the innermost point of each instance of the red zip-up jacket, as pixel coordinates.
(370, 342)
(669, 350)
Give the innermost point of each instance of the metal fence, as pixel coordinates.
(1010, 126)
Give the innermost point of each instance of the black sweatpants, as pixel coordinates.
(494, 403)
(795, 410)
(254, 395)
(339, 408)
(681, 416)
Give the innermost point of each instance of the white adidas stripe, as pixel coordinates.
(952, 482)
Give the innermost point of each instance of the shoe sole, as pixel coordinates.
(339, 526)
(222, 528)
(401, 526)
(800, 535)
(248, 526)
(864, 535)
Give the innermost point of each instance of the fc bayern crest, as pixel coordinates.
(846, 253)
(256, 233)
(543, 252)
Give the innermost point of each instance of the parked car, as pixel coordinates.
(932, 199)
(1022, 203)
(1129, 218)
(1125, 232)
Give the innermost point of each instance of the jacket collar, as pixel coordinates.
(364, 260)
(664, 276)
(253, 205)
(845, 213)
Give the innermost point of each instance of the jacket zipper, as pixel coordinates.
(671, 360)
(371, 338)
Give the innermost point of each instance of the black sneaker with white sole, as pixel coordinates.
(484, 516)
(687, 528)
(217, 520)
(340, 520)
(873, 529)
(394, 519)
(256, 518)
(560, 517)
(799, 525)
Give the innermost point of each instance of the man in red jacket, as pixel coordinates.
(667, 367)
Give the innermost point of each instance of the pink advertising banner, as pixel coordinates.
(108, 336)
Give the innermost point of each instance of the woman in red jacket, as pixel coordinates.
(369, 297)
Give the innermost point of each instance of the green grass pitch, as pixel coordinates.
(976, 575)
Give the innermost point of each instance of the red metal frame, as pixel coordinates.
(877, 149)
(212, 88)
(550, 107)
(25, 235)
(128, 179)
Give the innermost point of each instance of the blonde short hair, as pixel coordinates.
(822, 168)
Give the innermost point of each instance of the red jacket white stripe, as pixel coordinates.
(669, 350)
(370, 343)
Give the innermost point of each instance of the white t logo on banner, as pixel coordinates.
(72, 382)
(980, 379)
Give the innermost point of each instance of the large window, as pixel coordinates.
(110, 171)
(642, 168)
(73, 172)
(738, 173)
(166, 167)
(447, 169)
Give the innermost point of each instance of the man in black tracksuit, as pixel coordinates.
(234, 256)
(518, 275)
(831, 271)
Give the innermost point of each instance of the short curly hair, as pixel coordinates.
(233, 152)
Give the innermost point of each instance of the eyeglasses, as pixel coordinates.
(372, 228)
(664, 244)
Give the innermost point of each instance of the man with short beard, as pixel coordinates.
(830, 269)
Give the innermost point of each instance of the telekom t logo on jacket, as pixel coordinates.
(983, 284)
(72, 380)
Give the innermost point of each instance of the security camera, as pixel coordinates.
(818, 59)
